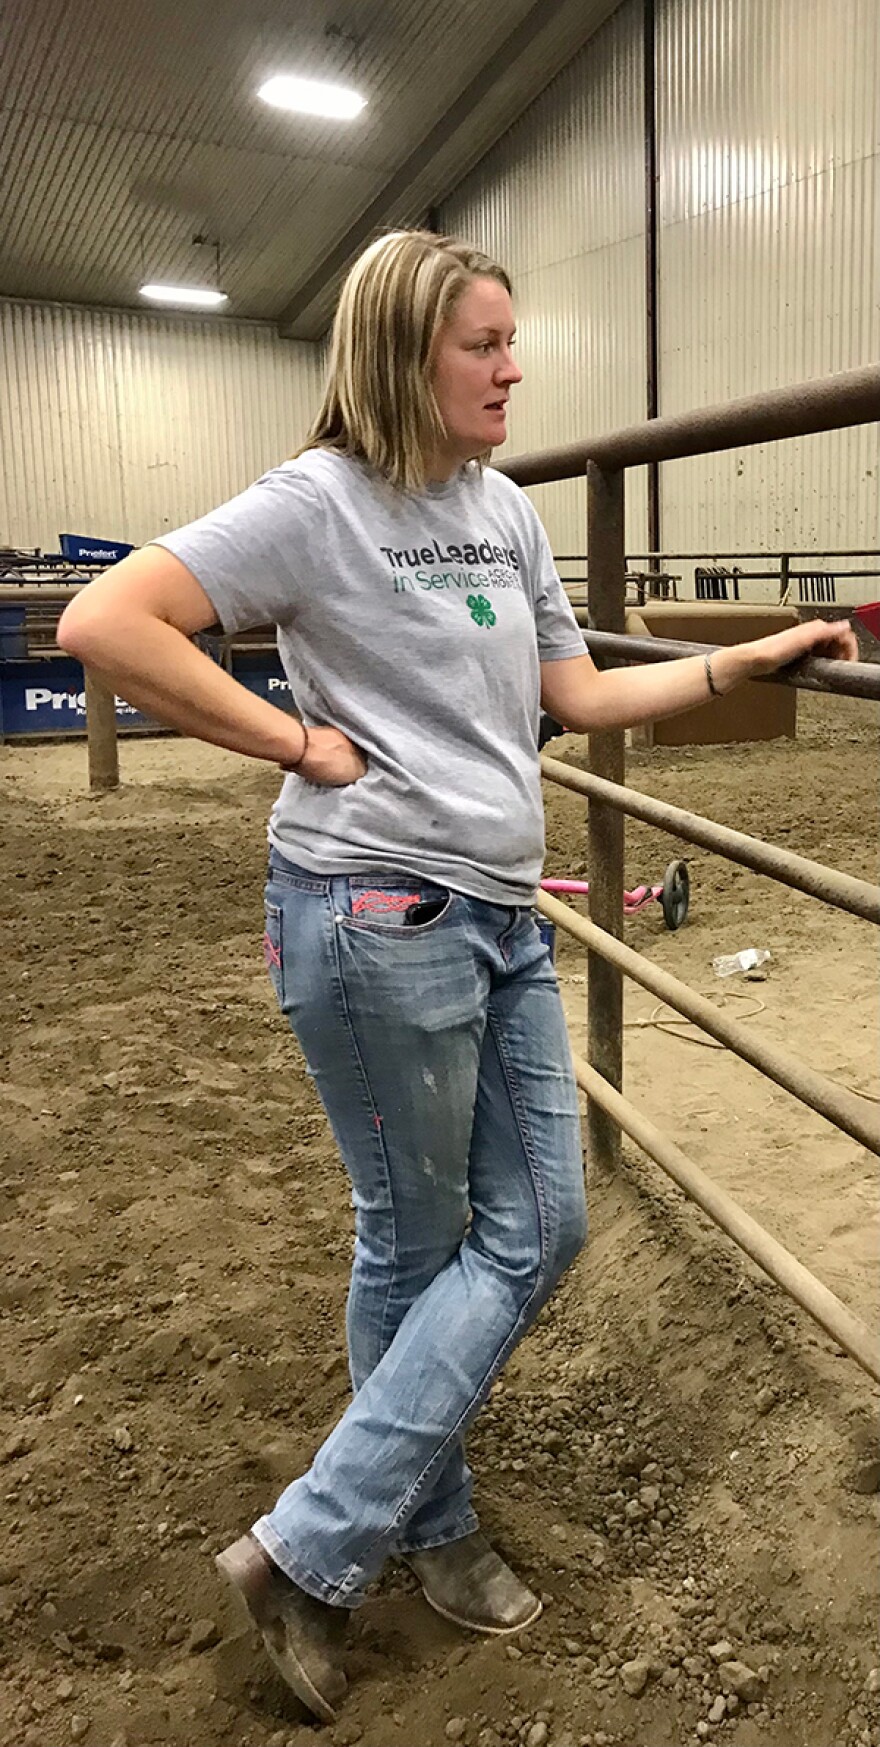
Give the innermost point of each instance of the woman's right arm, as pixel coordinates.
(132, 627)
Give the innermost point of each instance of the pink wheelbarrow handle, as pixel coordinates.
(580, 888)
(672, 893)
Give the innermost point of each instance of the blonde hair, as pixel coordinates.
(378, 402)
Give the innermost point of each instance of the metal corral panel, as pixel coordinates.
(560, 201)
(126, 425)
(769, 122)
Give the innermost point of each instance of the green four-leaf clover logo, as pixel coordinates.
(481, 610)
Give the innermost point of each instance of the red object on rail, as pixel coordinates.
(869, 617)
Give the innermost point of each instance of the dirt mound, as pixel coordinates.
(676, 1459)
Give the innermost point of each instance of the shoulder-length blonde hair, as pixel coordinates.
(378, 402)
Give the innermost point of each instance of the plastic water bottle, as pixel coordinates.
(747, 960)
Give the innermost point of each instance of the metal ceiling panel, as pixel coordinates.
(122, 135)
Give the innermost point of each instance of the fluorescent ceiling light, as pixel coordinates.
(191, 295)
(311, 97)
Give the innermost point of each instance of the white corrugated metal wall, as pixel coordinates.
(560, 201)
(768, 137)
(123, 424)
(769, 128)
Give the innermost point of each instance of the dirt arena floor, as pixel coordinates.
(682, 1464)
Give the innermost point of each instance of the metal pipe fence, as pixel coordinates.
(713, 580)
(845, 679)
(845, 1109)
(858, 897)
(823, 1306)
(830, 403)
(711, 556)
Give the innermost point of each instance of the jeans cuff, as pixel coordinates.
(466, 1525)
(315, 1586)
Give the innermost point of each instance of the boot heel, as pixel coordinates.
(302, 1636)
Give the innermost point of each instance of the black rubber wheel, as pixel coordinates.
(676, 894)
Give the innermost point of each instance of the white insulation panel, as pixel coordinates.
(768, 212)
(125, 425)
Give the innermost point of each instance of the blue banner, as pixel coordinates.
(47, 697)
(265, 676)
(90, 549)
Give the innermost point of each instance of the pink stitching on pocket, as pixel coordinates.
(271, 953)
(378, 903)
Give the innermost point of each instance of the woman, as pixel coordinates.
(422, 627)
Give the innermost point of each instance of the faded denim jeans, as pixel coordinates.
(441, 1055)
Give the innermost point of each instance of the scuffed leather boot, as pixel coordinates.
(303, 1636)
(468, 1582)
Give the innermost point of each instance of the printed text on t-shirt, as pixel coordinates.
(470, 553)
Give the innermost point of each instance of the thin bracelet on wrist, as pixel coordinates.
(710, 680)
(296, 762)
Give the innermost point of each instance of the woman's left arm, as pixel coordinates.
(573, 692)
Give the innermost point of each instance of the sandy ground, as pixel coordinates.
(681, 1463)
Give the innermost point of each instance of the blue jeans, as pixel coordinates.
(441, 1055)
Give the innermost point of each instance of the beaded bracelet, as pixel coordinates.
(713, 689)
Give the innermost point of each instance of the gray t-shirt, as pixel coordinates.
(415, 622)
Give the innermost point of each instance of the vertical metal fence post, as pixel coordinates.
(784, 579)
(605, 835)
(101, 732)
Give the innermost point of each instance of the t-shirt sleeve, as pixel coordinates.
(559, 635)
(254, 554)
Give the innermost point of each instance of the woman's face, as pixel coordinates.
(474, 371)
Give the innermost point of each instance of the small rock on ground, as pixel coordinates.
(204, 1634)
(739, 1678)
(635, 1675)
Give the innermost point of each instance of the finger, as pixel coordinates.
(843, 647)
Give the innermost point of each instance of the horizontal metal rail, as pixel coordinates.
(851, 397)
(20, 594)
(845, 679)
(844, 891)
(833, 1102)
(827, 1310)
(746, 576)
(833, 402)
(714, 557)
